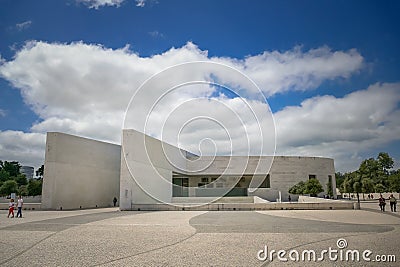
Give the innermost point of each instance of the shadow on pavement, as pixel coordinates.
(254, 222)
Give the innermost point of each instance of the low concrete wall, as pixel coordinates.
(264, 193)
(205, 200)
(245, 206)
(260, 200)
(308, 199)
(27, 199)
(270, 194)
(27, 206)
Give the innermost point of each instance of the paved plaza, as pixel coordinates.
(109, 237)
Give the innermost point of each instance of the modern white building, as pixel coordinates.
(155, 172)
(85, 173)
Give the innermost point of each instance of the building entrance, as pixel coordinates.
(180, 187)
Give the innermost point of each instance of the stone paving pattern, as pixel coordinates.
(109, 237)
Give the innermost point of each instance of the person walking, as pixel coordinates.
(11, 208)
(20, 203)
(393, 202)
(382, 203)
(115, 201)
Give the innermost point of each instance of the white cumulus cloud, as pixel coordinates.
(26, 148)
(341, 127)
(84, 89)
(277, 72)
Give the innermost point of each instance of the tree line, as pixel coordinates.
(375, 175)
(13, 181)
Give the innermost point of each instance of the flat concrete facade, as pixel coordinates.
(289, 170)
(149, 167)
(79, 172)
(85, 173)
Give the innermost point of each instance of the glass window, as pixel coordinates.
(266, 183)
(204, 180)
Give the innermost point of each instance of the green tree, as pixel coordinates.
(339, 177)
(347, 185)
(357, 187)
(8, 187)
(313, 187)
(4, 175)
(373, 172)
(21, 179)
(298, 188)
(394, 181)
(23, 190)
(353, 184)
(356, 178)
(377, 170)
(369, 168)
(12, 167)
(34, 187)
(380, 188)
(385, 162)
(367, 186)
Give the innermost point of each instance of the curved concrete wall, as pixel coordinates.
(154, 172)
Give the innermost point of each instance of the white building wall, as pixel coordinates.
(79, 172)
(231, 165)
(152, 169)
(146, 169)
(85, 173)
(287, 171)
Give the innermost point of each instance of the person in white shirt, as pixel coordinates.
(19, 206)
(11, 208)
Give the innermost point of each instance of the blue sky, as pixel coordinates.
(365, 32)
